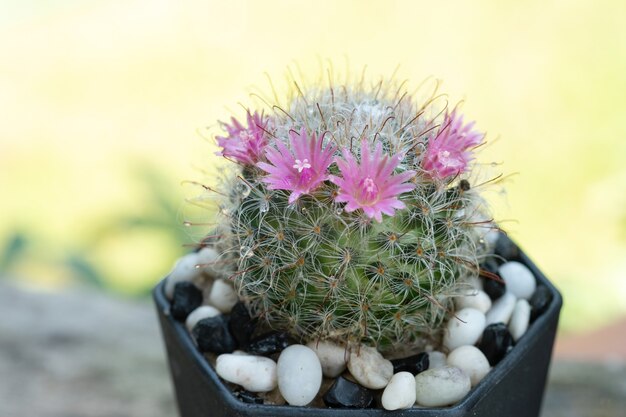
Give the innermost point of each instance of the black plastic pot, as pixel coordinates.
(514, 387)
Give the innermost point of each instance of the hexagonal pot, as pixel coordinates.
(514, 387)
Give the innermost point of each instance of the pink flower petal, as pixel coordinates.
(288, 170)
(448, 153)
(371, 185)
(244, 144)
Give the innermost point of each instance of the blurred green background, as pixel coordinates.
(102, 102)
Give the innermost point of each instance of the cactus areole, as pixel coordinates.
(352, 213)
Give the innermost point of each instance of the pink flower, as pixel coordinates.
(371, 185)
(448, 153)
(300, 172)
(244, 144)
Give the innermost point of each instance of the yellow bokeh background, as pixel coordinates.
(101, 103)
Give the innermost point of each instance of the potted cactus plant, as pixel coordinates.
(355, 269)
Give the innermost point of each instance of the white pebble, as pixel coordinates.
(492, 236)
(202, 312)
(464, 328)
(399, 392)
(369, 368)
(207, 258)
(299, 375)
(332, 356)
(223, 296)
(501, 309)
(478, 300)
(253, 373)
(185, 269)
(441, 386)
(519, 279)
(520, 319)
(470, 360)
(436, 359)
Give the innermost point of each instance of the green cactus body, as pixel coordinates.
(321, 272)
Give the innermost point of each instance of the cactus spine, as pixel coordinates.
(321, 271)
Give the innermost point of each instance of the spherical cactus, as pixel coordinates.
(352, 214)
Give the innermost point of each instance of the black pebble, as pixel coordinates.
(490, 265)
(506, 249)
(269, 343)
(248, 397)
(241, 325)
(494, 288)
(539, 302)
(212, 335)
(346, 394)
(496, 342)
(187, 297)
(413, 364)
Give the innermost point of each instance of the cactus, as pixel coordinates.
(351, 214)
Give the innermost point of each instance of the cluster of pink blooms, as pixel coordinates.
(369, 184)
